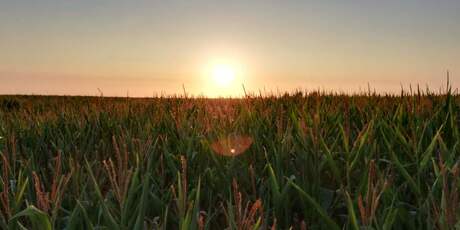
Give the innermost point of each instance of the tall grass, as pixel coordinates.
(308, 161)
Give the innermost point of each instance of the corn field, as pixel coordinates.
(294, 161)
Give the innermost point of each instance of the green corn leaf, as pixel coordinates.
(330, 161)
(400, 167)
(106, 212)
(317, 207)
(143, 203)
(351, 212)
(37, 218)
(429, 151)
(390, 219)
(359, 143)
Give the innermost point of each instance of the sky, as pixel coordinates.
(150, 48)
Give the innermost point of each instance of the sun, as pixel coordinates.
(222, 77)
(223, 74)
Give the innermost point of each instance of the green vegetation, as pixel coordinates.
(315, 161)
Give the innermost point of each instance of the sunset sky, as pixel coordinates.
(145, 48)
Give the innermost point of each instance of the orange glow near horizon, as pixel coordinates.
(213, 49)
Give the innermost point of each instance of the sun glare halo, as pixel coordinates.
(223, 75)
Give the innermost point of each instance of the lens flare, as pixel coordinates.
(232, 145)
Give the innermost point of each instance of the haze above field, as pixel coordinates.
(213, 47)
